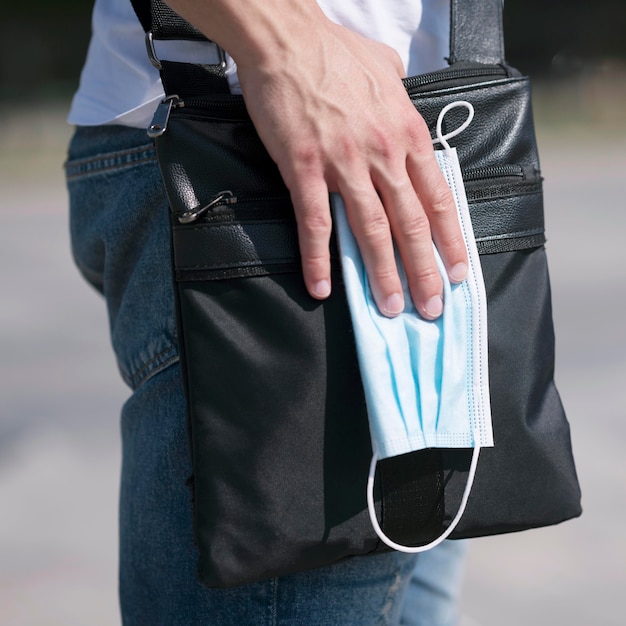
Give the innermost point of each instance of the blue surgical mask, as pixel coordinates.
(426, 382)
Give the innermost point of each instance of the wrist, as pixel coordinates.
(255, 33)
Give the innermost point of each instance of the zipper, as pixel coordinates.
(231, 102)
(225, 198)
(475, 175)
(161, 117)
(414, 84)
(236, 104)
(493, 171)
(220, 199)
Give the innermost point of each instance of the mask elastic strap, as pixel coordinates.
(446, 533)
(443, 139)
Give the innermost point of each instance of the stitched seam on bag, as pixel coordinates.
(238, 272)
(242, 264)
(498, 194)
(513, 235)
(237, 225)
(110, 161)
(518, 244)
(210, 117)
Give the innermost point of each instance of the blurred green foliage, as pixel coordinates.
(42, 48)
(43, 42)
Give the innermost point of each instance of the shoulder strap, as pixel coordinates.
(157, 17)
(476, 32)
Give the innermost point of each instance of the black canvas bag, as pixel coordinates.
(277, 421)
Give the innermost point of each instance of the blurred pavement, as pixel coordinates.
(60, 397)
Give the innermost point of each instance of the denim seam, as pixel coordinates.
(110, 161)
(159, 362)
(273, 615)
(386, 611)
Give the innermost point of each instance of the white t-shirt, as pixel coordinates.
(118, 85)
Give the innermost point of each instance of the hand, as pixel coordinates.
(330, 107)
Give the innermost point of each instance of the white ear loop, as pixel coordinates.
(443, 140)
(446, 533)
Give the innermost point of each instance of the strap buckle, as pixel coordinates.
(154, 59)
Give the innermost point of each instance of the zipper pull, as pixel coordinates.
(162, 115)
(223, 197)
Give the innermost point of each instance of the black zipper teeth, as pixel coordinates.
(493, 171)
(210, 214)
(231, 103)
(445, 75)
(259, 199)
(477, 174)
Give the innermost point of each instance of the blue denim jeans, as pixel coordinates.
(120, 243)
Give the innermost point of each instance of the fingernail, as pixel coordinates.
(394, 304)
(434, 306)
(321, 289)
(458, 273)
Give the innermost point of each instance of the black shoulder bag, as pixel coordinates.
(276, 415)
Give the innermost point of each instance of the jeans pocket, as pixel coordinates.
(121, 244)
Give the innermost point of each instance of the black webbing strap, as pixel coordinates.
(412, 489)
(163, 22)
(193, 80)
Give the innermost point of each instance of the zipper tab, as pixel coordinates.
(190, 216)
(162, 115)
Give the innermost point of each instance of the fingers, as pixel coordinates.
(438, 205)
(412, 234)
(312, 209)
(421, 210)
(370, 226)
(404, 200)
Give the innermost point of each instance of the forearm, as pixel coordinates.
(264, 32)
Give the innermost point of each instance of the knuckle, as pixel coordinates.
(347, 149)
(414, 226)
(425, 279)
(316, 264)
(305, 156)
(384, 276)
(375, 227)
(315, 224)
(452, 242)
(385, 145)
(441, 205)
(416, 132)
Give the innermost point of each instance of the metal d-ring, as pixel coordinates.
(152, 52)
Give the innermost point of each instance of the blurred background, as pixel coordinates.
(60, 394)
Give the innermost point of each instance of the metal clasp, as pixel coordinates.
(223, 197)
(152, 52)
(161, 117)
